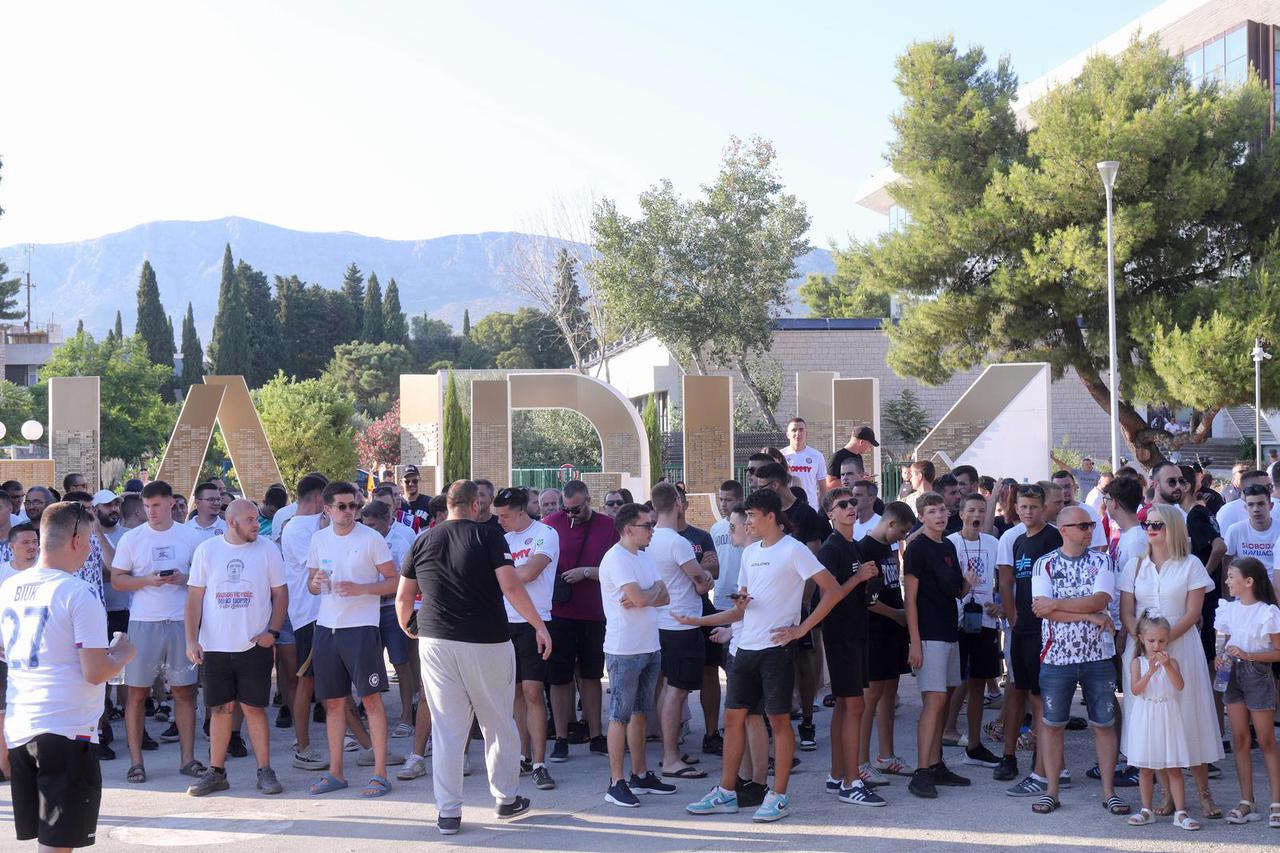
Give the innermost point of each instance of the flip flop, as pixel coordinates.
(327, 783)
(137, 774)
(377, 786)
(685, 773)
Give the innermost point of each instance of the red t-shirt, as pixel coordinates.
(582, 545)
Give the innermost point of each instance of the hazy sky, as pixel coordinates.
(419, 119)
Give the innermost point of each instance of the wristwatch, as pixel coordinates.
(275, 635)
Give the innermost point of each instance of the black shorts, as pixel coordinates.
(343, 658)
(888, 649)
(303, 641)
(243, 677)
(1025, 652)
(766, 677)
(848, 662)
(980, 654)
(577, 645)
(712, 652)
(4, 683)
(529, 664)
(117, 620)
(56, 788)
(683, 655)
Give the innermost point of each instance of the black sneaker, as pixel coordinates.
(519, 807)
(106, 753)
(600, 745)
(559, 752)
(236, 747)
(1007, 769)
(170, 735)
(578, 732)
(942, 775)
(542, 779)
(861, 795)
(981, 757)
(148, 742)
(1215, 772)
(921, 784)
(808, 736)
(163, 713)
(284, 719)
(751, 794)
(650, 784)
(619, 794)
(1127, 778)
(151, 707)
(526, 766)
(713, 744)
(448, 825)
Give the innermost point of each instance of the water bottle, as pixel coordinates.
(1222, 671)
(118, 678)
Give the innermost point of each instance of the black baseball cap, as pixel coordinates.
(410, 471)
(867, 434)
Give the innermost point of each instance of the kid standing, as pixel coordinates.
(1250, 626)
(1156, 737)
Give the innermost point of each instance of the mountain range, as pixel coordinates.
(90, 279)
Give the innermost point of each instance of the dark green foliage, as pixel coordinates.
(457, 435)
(372, 330)
(394, 328)
(353, 290)
(192, 352)
(9, 288)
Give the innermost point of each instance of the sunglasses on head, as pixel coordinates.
(1153, 525)
(505, 495)
(1030, 492)
(1256, 489)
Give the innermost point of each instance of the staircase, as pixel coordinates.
(1242, 418)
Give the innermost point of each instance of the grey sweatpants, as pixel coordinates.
(461, 679)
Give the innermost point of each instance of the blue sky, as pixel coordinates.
(420, 119)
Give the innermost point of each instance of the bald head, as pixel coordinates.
(1076, 527)
(242, 522)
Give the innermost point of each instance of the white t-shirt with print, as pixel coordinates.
(237, 581)
(808, 466)
(535, 539)
(774, 577)
(146, 551)
(217, 528)
(1235, 511)
(634, 630)
(355, 558)
(46, 617)
(980, 557)
(1055, 575)
(669, 551)
(1243, 541)
(295, 545)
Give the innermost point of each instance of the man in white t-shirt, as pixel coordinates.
(728, 555)
(771, 585)
(1234, 511)
(24, 547)
(153, 561)
(298, 634)
(683, 648)
(807, 464)
(1255, 536)
(535, 552)
(350, 568)
(236, 604)
(55, 640)
(207, 521)
(631, 593)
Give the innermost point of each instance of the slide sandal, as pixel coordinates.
(327, 783)
(1116, 806)
(1045, 805)
(378, 786)
(137, 774)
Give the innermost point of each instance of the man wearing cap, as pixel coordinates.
(415, 507)
(862, 441)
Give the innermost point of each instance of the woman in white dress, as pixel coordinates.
(1169, 581)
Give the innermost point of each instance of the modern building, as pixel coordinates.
(24, 351)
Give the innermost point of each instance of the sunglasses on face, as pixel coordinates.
(1153, 525)
(1083, 525)
(574, 510)
(842, 504)
(613, 503)
(343, 507)
(1175, 481)
(645, 525)
(752, 471)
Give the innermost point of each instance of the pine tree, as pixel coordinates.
(466, 323)
(353, 289)
(9, 288)
(153, 323)
(80, 327)
(457, 436)
(229, 345)
(373, 328)
(192, 352)
(395, 329)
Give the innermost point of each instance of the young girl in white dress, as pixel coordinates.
(1157, 740)
(1251, 625)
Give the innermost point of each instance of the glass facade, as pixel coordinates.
(1224, 59)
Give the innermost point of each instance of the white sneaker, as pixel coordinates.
(872, 776)
(894, 765)
(414, 766)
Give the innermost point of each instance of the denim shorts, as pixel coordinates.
(1097, 678)
(286, 633)
(1252, 683)
(633, 680)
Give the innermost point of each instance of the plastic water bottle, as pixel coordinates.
(1222, 673)
(118, 678)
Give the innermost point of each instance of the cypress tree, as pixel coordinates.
(395, 328)
(353, 289)
(650, 419)
(457, 436)
(225, 289)
(192, 352)
(262, 325)
(153, 323)
(117, 333)
(373, 329)
(80, 327)
(229, 345)
(466, 322)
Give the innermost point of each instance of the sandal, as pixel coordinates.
(1182, 820)
(1142, 818)
(1243, 813)
(327, 783)
(1166, 805)
(137, 774)
(1116, 806)
(1208, 807)
(378, 786)
(1273, 820)
(1045, 805)
(193, 768)
(685, 772)
(402, 730)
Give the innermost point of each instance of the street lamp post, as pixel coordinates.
(1259, 355)
(1108, 169)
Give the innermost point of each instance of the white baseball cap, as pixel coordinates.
(104, 496)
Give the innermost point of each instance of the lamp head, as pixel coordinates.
(1108, 169)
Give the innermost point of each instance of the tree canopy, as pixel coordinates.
(369, 374)
(308, 424)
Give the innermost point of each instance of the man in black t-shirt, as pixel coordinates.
(415, 506)
(862, 441)
(463, 569)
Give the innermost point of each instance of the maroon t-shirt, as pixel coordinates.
(582, 545)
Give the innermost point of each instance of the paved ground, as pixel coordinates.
(574, 817)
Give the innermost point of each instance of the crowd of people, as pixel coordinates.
(500, 611)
